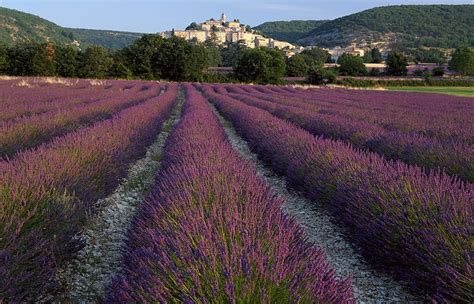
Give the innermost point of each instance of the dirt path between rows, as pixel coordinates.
(88, 276)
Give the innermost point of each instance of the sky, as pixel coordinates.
(150, 16)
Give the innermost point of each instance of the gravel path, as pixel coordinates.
(87, 277)
(320, 227)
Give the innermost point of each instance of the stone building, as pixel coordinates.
(224, 31)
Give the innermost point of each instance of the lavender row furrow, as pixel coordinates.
(46, 193)
(212, 231)
(415, 225)
(429, 153)
(446, 118)
(31, 131)
(19, 102)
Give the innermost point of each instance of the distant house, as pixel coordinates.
(350, 50)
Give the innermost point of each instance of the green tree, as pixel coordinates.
(438, 71)
(95, 62)
(66, 59)
(396, 64)
(213, 51)
(374, 72)
(31, 59)
(260, 65)
(119, 70)
(179, 60)
(320, 76)
(375, 55)
(139, 56)
(153, 57)
(214, 56)
(463, 61)
(428, 56)
(3, 58)
(316, 56)
(367, 58)
(296, 66)
(229, 54)
(193, 26)
(418, 72)
(351, 65)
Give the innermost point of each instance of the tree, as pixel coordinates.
(138, 56)
(438, 71)
(375, 55)
(212, 41)
(463, 61)
(351, 65)
(320, 76)
(428, 56)
(316, 56)
(95, 62)
(193, 26)
(31, 59)
(367, 58)
(296, 66)
(418, 72)
(214, 57)
(229, 54)
(260, 65)
(3, 58)
(66, 59)
(396, 64)
(374, 72)
(120, 71)
(179, 60)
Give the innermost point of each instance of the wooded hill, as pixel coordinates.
(16, 26)
(409, 25)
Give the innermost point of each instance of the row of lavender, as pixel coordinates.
(212, 231)
(431, 153)
(17, 101)
(30, 131)
(416, 225)
(434, 115)
(46, 193)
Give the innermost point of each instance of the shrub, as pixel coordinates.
(320, 76)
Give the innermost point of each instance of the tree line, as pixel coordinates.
(152, 58)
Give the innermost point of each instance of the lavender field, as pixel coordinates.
(145, 192)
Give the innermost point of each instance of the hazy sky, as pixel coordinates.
(158, 15)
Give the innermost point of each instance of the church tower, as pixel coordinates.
(223, 18)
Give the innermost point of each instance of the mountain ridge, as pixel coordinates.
(17, 26)
(445, 26)
(290, 31)
(436, 25)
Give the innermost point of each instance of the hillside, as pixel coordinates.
(16, 26)
(410, 25)
(290, 31)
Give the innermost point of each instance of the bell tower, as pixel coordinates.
(223, 18)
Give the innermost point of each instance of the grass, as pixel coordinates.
(459, 91)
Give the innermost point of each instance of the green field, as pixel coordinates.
(459, 91)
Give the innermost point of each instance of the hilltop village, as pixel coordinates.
(222, 31)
